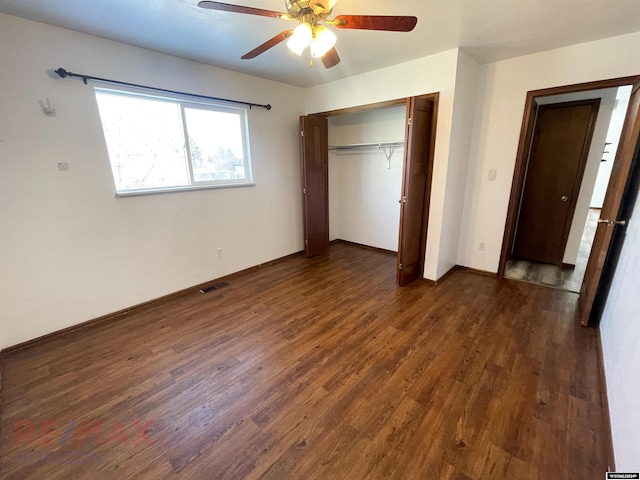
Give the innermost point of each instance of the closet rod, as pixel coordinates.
(357, 146)
(65, 73)
(361, 146)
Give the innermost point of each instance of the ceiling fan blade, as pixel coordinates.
(227, 7)
(389, 23)
(272, 42)
(331, 58)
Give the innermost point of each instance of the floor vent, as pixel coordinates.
(217, 286)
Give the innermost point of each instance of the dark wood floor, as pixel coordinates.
(316, 368)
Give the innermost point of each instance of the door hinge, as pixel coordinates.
(400, 267)
(302, 133)
(410, 121)
(306, 242)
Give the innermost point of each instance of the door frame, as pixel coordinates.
(434, 97)
(594, 287)
(524, 145)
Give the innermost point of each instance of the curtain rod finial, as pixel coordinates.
(62, 72)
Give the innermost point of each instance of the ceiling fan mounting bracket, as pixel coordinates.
(298, 8)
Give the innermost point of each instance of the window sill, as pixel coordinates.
(187, 188)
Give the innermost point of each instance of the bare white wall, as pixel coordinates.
(71, 251)
(620, 334)
(436, 73)
(461, 131)
(613, 138)
(607, 101)
(502, 89)
(363, 192)
(336, 187)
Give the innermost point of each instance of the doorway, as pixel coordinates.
(569, 274)
(607, 220)
(567, 271)
(367, 203)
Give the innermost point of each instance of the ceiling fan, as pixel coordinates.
(312, 17)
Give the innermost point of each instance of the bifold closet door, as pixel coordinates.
(414, 202)
(315, 183)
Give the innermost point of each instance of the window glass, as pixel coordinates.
(157, 144)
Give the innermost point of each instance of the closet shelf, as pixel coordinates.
(367, 146)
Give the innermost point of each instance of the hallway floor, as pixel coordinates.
(564, 278)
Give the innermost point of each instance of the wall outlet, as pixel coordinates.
(481, 246)
(493, 173)
(220, 253)
(63, 166)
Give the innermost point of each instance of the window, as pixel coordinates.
(161, 144)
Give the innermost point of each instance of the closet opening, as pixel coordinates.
(367, 179)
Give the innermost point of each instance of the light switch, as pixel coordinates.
(493, 173)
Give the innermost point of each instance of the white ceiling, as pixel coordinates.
(488, 30)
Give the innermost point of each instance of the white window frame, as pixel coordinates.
(189, 104)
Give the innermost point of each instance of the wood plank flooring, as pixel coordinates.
(316, 369)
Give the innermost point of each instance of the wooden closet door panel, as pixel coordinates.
(414, 204)
(315, 183)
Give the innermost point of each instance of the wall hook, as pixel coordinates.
(47, 109)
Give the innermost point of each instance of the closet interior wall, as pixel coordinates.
(365, 186)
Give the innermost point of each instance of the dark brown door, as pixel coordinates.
(559, 151)
(593, 290)
(414, 204)
(315, 184)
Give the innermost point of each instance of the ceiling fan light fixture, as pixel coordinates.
(323, 41)
(301, 38)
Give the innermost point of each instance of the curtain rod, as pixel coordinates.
(64, 73)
